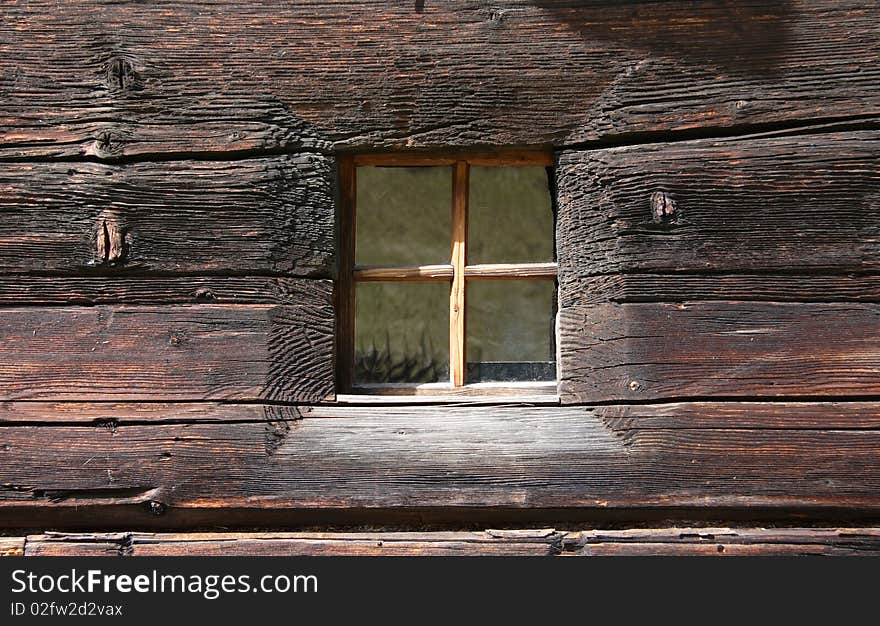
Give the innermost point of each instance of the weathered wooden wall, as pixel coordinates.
(167, 244)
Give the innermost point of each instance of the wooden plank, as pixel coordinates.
(109, 79)
(23, 289)
(457, 355)
(508, 158)
(495, 392)
(272, 215)
(698, 349)
(740, 535)
(665, 416)
(724, 542)
(776, 205)
(39, 547)
(203, 352)
(415, 272)
(700, 541)
(721, 549)
(11, 546)
(756, 415)
(688, 287)
(113, 414)
(436, 543)
(372, 463)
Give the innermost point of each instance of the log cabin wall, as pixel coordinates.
(167, 255)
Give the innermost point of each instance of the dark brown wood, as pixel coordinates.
(696, 349)
(19, 290)
(345, 290)
(773, 205)
(495, 158)
(112, 414)
(358, 460)
(174, 352)
(272, 215)
(689, 287)
(111, 79)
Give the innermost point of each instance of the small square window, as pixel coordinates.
(447, 278)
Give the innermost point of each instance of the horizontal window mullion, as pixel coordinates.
(364, 273)
(511, 271)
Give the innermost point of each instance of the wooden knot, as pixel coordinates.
(203, 294)
(156, 508)
(106, 145)
(121, 75)
(663, 208)
(110, 240)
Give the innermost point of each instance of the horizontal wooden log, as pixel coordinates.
(624, 288)
(24, 289)
(649, 351)
(272, 215)
(724, 542)
(202, 352)
(544, 542)
(773, 205)
(109, 79)
(722, 549)
(11, 546)
(664, 416)
(112, 414)
(362, 461)
(438, 543)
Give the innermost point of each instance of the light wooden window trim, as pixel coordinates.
(457, 271)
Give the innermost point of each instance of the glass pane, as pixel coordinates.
(403, 215)
(401, 332)
(510, 330)
(510, 217)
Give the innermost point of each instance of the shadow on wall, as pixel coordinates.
(735, 35)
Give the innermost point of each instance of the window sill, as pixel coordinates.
(482, 393)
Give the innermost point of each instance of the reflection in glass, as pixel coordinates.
(510, 216)
(510, 330)
(403, 215)
(402, 332)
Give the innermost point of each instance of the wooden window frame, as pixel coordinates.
(457, 271)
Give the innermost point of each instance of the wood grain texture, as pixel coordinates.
(30, 290)
(111, 79)
(796, 287)
(498, 543)
(200, 352)
(358, 460)
(648, 351)
(700, 541)
(11, 546)
(773, 205)
(113, 414)
(724, 542)
(273, 215)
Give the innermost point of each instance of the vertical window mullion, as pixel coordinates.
(457, 357)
